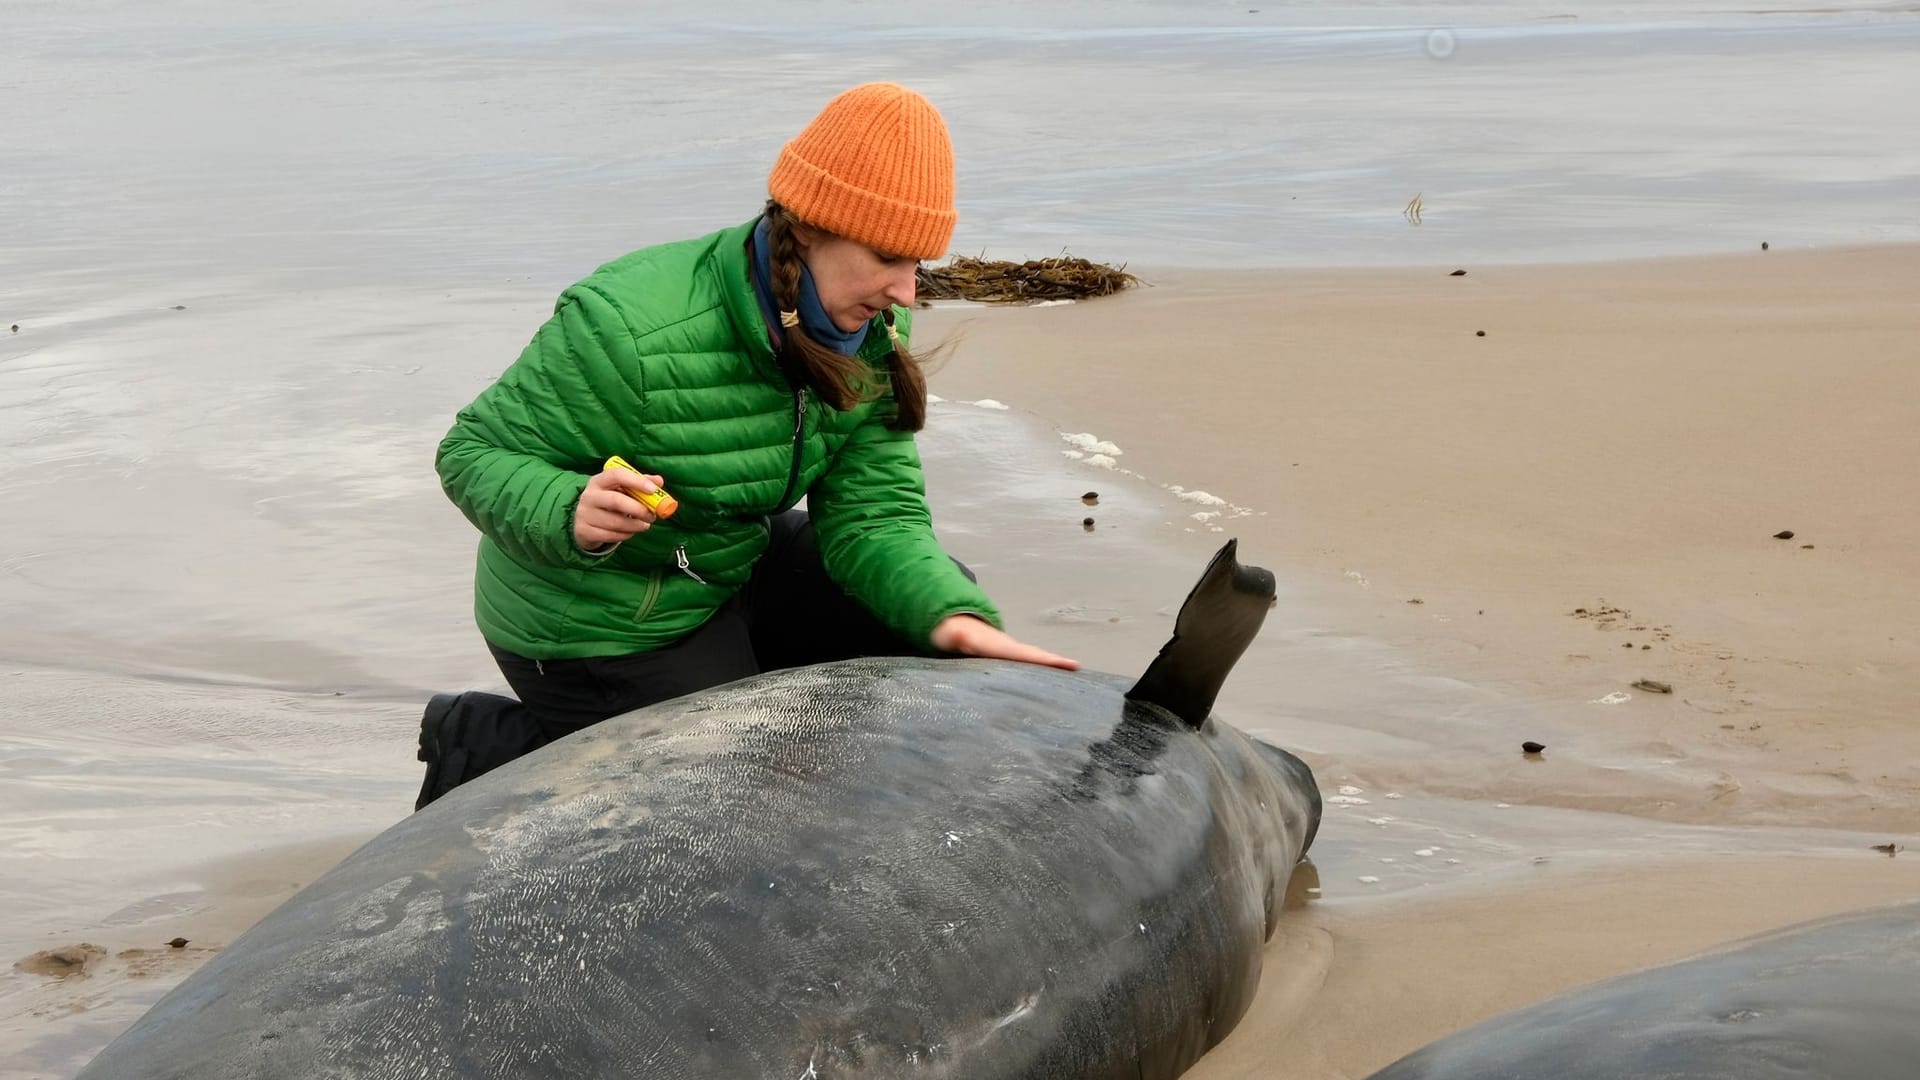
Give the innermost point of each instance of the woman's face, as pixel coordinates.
(855, 281)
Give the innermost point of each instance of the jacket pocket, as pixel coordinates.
(651, 598)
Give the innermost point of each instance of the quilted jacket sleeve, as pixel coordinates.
(519, 456)
(876, 537)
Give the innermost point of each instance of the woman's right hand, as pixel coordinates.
(608, 515)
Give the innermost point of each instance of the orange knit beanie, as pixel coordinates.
(875, 167)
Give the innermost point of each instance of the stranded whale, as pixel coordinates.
(1838, 999)
(870, 868)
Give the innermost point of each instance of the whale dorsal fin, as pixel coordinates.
(1214, 627)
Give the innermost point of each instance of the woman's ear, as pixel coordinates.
(804, 236)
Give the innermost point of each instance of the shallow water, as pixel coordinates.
(357, 143)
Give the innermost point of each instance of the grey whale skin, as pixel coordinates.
(875, 868)
(1833, 999)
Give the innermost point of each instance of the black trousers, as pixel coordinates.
(789, 614)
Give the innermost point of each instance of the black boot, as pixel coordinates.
(463, 736)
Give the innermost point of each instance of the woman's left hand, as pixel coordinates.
(970, 635)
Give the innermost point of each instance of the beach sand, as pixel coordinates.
(1585, 497)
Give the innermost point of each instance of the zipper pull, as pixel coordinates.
(686, 566)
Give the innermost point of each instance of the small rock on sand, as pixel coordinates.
(1458, 273)
(1889, 850)
(1091, 498)
(1652, 686)
(1783, 534)
(177, 943)
(1479, 333)
(1087, 524)
(1531, 747)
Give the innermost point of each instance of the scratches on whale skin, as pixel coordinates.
(1020, 1011)
(960, 1044)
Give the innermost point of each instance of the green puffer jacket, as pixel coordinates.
(662, 358)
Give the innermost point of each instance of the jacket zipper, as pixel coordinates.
(647, 601)
(799, 425)
(685, 564)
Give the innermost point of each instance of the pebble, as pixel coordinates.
(1091, 498)
(1458, 273)
(1783, 534)
(177, 943)
(1479, 333)
(1531, 747)
(1652, 686)
(1087, 524)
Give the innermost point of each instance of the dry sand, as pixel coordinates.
(1626, 439)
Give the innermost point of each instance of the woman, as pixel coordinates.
(742, 370)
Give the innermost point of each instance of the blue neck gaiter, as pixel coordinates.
(813, 317)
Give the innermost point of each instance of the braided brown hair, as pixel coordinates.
(841, 381)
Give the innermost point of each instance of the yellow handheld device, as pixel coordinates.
(662, 504)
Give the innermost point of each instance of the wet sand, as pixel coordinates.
(1354, 989)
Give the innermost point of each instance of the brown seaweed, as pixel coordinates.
(996, 281)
